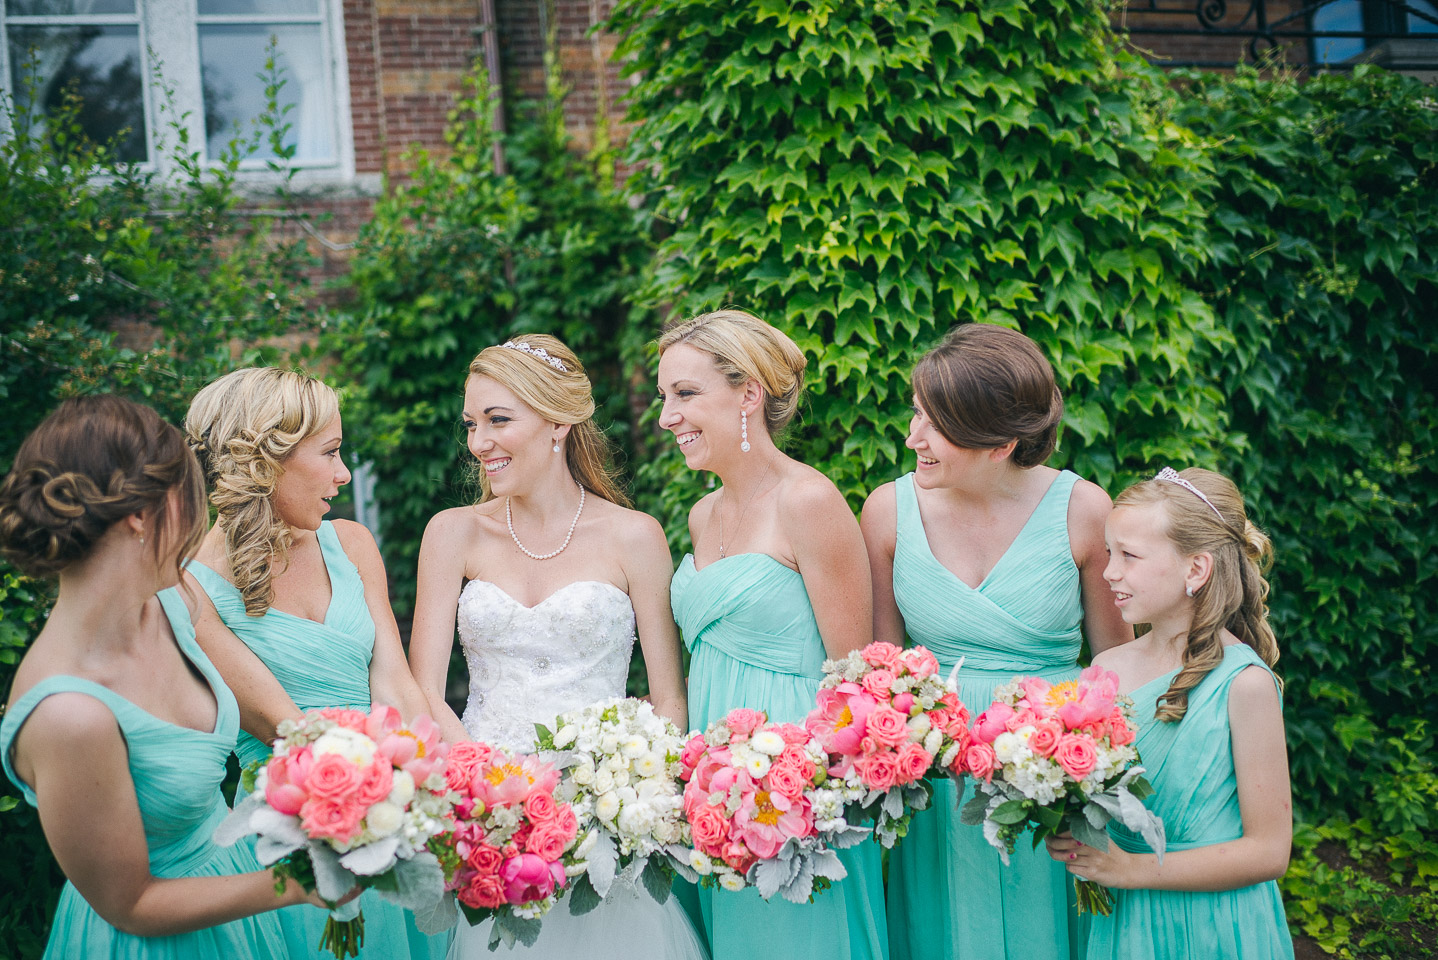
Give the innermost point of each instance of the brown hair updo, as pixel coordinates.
(746, 348)
(559, 396)
(91, 463)
(985, 385)
(1235, 598)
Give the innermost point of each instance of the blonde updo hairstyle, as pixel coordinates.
(985, 385)
(88, 465)
(558, 396)
(746, 348)
(1235, 598)
(242, 427)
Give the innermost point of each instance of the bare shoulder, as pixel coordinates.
(806, 494)
(68, 721)
(1253, 688)
(882, 504)
(355, 537)
(453, 526)
(1119, 659)
(1089, 505)
(632, 529)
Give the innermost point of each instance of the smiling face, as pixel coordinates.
(940, 462)
(1145, 570)
(512, 442)
(312, 474)
(700, 408)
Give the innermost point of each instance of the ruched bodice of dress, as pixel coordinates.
(527, 665)
(320, 664)
(1005, 623)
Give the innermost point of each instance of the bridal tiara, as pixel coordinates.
(1170, 475)
(539, 352)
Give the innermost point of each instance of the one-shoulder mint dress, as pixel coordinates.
(950, 896)
(753, 642)
(1190, 764)
(322, 665)
(177, 772)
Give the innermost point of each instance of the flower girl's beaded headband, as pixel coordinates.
(541, 353)
(1170, 475)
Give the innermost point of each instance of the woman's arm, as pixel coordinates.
(390, 681)
(262, 699)
(879, 525)
(648, 566)
(1103, 625)
(431, 638)
(1260, 762)
(72, 753)
(830, 553)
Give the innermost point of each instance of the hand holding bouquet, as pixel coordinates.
(888, 724)
(758, 808)
(507, 854)
(345, 800)
(1059, 757)
(620, 763)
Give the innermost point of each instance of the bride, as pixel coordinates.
(548, 576)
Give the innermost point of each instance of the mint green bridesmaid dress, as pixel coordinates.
(753, 642)
(322, 665)
(1190, 764)
(949, 894)
(177, 773)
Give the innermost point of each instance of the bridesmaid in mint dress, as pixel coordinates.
(118, 726)
(1186, 560)
(777, 583)
(298, 613)
(986, 556)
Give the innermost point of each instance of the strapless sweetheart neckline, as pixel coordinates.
(511, 598)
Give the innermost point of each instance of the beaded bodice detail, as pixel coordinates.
(527, 665)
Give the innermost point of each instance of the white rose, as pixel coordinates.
(603, 781)
(354, 747)
(621, 778)
(583, 772)
(401, 790)
(1011, 748)
(607, 806)
(731, 881)
(384, 818)
(767, 742)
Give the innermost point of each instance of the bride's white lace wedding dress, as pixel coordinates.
(526, 666)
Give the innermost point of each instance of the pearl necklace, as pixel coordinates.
(509, 520)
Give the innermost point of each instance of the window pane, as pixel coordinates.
(1417, 24)
(1344, 15)
(271, 7)
(67, 8)
(100, 63)
(232, 57)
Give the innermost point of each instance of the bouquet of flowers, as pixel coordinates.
(346, 800)
(508, 854)
(1059, 757)
(759, 810)
(620, 763)
(889, 724)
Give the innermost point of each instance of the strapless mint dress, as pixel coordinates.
(949, 894)
(753, 642)
(322, 665)
(177, 773)
(1190, 764)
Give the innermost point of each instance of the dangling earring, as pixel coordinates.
(744, 430)
(556, 446)
(1188, 589)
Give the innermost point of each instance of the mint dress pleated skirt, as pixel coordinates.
(1190, 764)
(322, 665)
(177, 772)
(753, 642)
(950, 896)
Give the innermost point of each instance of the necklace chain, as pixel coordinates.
(509, 520)
(740, 522)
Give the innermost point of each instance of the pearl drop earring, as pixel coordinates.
(556, 446)
(744, 430)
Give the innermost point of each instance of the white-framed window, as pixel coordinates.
(210, 54)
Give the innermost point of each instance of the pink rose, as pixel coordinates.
(709, 828)
(345, 717)
(547, 841)
(521, 836)
(285, 797)
(881, 654)
(742, 721)
(484, 858)
(993, 722)
(879, 772)
(797, 758)
(920, 661)
(868, 746)
(540, 807)
(904, 703)
(1076, 754)
(878, 682)
(376, 782)
(693, 750)
(980, 760)
(888, 726)
(785, 778)
(331, 820)
(1023, 718)
(914, 762)
(463, 759)
(792, 734)
(485, 890)
(332, 777)
(1046, 736)
(565, 822)
(1119, 732)
(737, 856)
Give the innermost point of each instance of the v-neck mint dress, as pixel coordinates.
(1190, 764)
(322, 665)
(753, 642)
(950, 896)
(177, 772)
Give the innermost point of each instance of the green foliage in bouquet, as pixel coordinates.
(865, 175)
